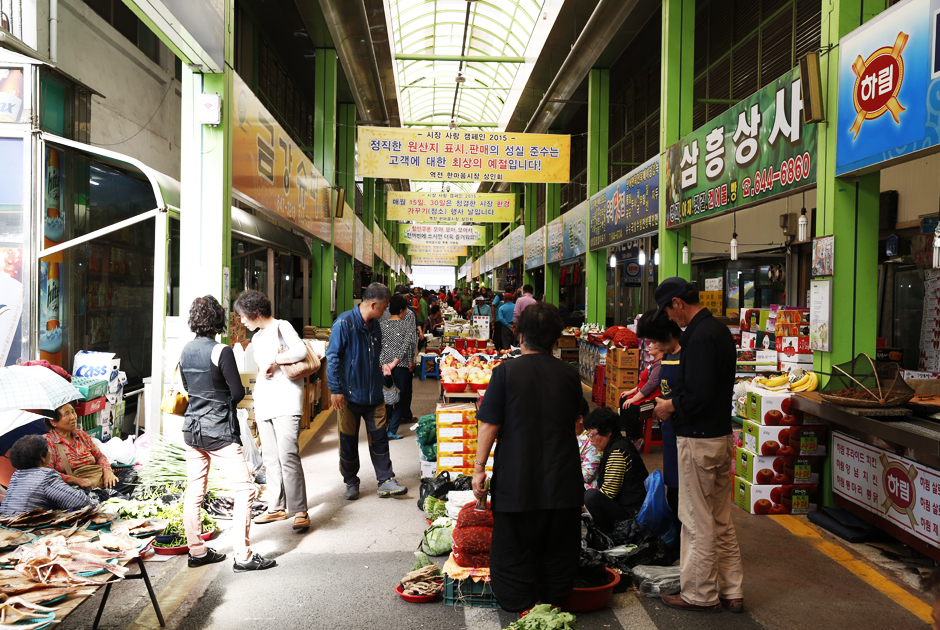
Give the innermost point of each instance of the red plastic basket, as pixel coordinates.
(590, 599)
(455, 388)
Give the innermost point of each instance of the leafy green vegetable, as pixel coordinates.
(435, 508)
(167, 465)
(422, 562)
(179, 541)
(544, 617)
(437, 541)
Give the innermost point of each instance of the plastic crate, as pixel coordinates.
(90, 388)
(468, 593)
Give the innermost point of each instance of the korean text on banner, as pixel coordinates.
(626, 209)
(756, 150)
(437, 250)
(270, 168)
(431, 234)
(535, 249)
(895, 488)
(576, 228)
(377, 240)
(434, 261)
(554, 246)
(502, 252)
(889, 75)
(446, 207)
(463, 155)
(517, 244)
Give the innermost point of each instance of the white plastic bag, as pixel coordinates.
(249, 448)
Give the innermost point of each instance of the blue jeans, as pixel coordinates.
(402, 377)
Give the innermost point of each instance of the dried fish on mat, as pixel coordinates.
(13, 538)
(117, 542)
(53, 561)
(16, 611)
(32, 518)
(46, 594)
(138, 526)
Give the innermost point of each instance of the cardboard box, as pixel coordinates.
(789, 347)
(621, 378)
(801, 363)
(567, 341)
(790, 315)
(428, 469)
(623, 359)
(806, 440)
(771, 408)
(761, 470)
(791, 330)
(86, 408)
(457, 432)
(456, 413)
(752, 361)
(889, 355)
(248, 382)
(771, 499)
(90, 388)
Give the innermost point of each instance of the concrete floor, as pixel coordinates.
(342, 573)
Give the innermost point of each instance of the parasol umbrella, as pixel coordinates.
(14, 424)
(33, 387)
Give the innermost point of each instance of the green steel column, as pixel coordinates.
(324, 158)
(346, 179)
(380, 213)
(675, 122)
(595, 290)
(529, 218)
(848, 209)
(552, 271)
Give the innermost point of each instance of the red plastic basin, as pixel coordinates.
(590, 599)
(455, 388)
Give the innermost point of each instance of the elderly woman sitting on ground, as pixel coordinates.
(34, 485)
(73, 452)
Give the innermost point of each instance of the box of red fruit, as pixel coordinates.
(776, 469)
(774, 499)
(806, 440)
(772, 408)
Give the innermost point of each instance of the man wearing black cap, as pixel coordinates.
(710, 559)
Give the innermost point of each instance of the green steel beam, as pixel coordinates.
(324, 158)
(464, 58)
(595, 290)
(553, 270)
(529, 219)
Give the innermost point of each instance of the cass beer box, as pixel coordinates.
(776, 469)
(806, 440)
(774, 499)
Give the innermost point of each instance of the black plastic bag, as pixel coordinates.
(436, 487)
(630, 532)
(463, 483)
(594, 538)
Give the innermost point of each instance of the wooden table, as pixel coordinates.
(468, 396)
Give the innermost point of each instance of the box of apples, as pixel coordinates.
(805, 440)
(774, 499)
(776, 469)
(772, 408)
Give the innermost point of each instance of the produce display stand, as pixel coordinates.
(468, 396)
(137, 576)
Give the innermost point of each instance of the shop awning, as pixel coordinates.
(255, 229)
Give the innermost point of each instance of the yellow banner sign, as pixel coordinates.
(437, 250)
(440, 155)
(270, 168)
(431, 234)
(434, 261)
(450, 207)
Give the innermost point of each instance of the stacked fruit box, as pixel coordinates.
(623, 373)
(457, 431)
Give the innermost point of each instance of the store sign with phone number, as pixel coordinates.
(897, 489)
(757, 150)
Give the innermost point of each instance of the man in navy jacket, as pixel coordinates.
(355, 378)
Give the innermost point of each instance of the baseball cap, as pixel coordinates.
(669, 289)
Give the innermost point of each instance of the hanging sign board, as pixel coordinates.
(437, 250)
(554, 245)
(502, 251)
(270, 168)
(576, 228)
(626, 209)
(343, 229)
(377, 237)
(434, 261)
(517, 243)
(535, 249)
(475, 156)
(889, 74)
(757, 150)
(447, 207)
(430, 234)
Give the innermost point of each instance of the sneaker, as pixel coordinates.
(257, 563)
(394, 436)
(270, 517)
(391, 488)
(352, 492)
(210, 557)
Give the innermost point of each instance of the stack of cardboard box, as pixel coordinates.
(791, 330)
(623, 373)
(457, 431)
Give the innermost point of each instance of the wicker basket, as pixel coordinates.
(882, 384)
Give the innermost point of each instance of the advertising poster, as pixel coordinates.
(431, 234)
(756, 150)
(451, 207)
(517, 243)
(576, 230)
(824, 255)
(632, 273)
(437, 250)
(270, 168)
(475, 156)
(11, 250)
(50, 273)
(626, 209)
(554, 245)
(535, 249)
(889, 74)
(895, 488)
(11, 95)
(820, 318)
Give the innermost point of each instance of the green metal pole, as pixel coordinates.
(595, 290)
(529, 219)
(848, 209)
(346, 179)
(324, 158)
(675, 120)
(553, 270)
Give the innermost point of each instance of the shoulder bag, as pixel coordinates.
(299, 369)
(90, 472)
(175, 401)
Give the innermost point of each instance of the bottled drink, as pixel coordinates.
(11, 96)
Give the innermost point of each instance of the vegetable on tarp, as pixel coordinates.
(544, 617)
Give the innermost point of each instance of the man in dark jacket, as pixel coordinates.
(355, 378)
(710, 559)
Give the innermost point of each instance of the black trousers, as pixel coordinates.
(630, 422)
(508, 337)
(498, 335)
(605, 511)
(534, 557)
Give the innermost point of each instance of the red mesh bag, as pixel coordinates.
(470, 517)
(474, 539)
(471, 560)
(622, 336)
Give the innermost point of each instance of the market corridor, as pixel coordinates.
(341, 574)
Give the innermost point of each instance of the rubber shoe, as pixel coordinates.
(352, 492)
(391, 488)
(210, 557)
(257, 563)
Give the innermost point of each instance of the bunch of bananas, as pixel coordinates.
(809, 382)
(775, 384)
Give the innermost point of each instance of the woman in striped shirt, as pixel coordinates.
(34, 485)
(620, 475)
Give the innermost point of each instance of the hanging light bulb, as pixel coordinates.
(685, 253)
(656, 256)
(613, 260)
(734, 246)
(803, 226)
(642, 256)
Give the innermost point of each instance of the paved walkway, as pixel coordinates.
(341, 574)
